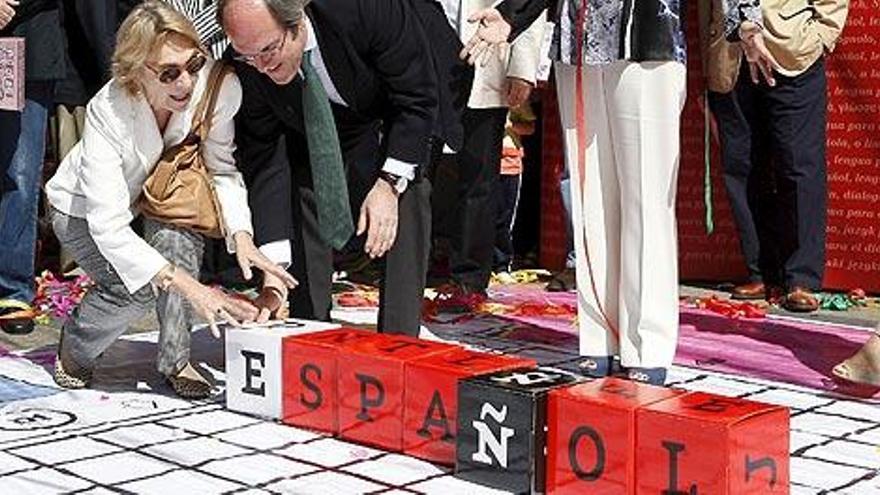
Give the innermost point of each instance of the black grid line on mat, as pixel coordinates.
(816, 407)
(173, 465)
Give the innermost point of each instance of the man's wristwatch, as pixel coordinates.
(397, 182)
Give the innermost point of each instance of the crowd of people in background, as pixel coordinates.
(331, 119)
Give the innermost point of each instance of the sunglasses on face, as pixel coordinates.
(168, 74)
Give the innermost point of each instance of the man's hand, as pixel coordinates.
(249, 256)
(271, 299)
(379, 219)
(7, 12)
(518, 91)
(491, 34)
(757, 55)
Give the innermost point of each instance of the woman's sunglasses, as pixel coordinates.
(170, 73)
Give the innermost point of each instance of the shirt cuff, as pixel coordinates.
(403, 169)
(278, 252)
(230, 237)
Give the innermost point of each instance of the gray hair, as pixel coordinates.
(287, 13)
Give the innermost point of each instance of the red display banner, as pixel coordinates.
(702, 256)
(853, 244)
(853, 241)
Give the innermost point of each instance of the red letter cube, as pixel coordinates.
(591, 436)
(371, 383)
(432, 403)
(704, 443)
(309, 376)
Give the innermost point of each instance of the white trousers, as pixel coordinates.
(623, 205)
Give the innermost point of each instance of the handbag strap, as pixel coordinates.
(202, 118)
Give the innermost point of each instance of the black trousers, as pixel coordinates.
(405, 265)
(773, 152)
(506, 202)
(479, 166)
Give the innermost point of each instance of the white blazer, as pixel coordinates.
(520, 59)
(103, 175)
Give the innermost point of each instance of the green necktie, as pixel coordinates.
(328, 174)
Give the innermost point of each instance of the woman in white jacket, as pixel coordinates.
(159, 73)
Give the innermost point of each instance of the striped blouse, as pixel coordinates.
(203, 14)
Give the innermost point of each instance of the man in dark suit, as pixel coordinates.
(391, 93)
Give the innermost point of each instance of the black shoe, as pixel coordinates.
(564, 281)
(16, 317)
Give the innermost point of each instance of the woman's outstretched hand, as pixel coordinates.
(211, 304)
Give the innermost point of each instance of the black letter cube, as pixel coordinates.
(501, 427)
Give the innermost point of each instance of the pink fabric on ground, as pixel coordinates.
(798, 352)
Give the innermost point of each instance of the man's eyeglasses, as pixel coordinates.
(170, 73)
(266, 53)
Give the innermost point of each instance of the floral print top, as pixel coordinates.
(636, 30)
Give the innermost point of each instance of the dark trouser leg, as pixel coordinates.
(736, 136)
(312, 260)
(507, 198)
(312, 263)
(797, 117)
(479, 165)
(406, 264)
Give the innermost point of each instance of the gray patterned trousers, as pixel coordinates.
(108, 308)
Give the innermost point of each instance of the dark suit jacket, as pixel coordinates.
(90, 31)
(381, 61)
(39, 22)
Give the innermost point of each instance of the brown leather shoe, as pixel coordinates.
(751, 290)
(800, 300)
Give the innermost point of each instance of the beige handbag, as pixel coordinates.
(180, 190)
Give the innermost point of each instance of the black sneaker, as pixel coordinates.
(563, 281)
(16, 317)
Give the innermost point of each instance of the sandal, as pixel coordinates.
(16, 317)
(189, 387)
(844, 372)
(863, 367)
(71, 379)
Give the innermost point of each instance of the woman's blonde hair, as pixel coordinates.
(148, 26)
